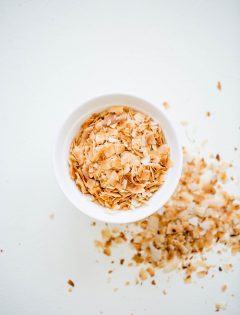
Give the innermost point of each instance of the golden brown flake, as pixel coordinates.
(218, 307)
(107, 251)
(202, 274)
(119, 157)
(51, 216)
(122, 261)
(71, 283)
(166, 105)
(151, 271)
(219, 86)
(142, 274)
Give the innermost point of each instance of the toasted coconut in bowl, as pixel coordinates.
(121, 152)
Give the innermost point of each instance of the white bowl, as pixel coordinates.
(71, 127)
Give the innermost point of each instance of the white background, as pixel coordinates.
(55, 55)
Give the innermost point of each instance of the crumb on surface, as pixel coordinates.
(122, 261)
(51, 216)
(164, 292)
(219, 86)
(218, 307)
(151, 271)
(166, 105)
(184, 123)
(107, 251)
(227, 267)
(202, 274)
(208, 114)
(143, 274)
(153, 282)
(224, 288)
(71, 283)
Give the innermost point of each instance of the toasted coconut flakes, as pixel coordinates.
(119, 157)
(208, 114)
(224, 288)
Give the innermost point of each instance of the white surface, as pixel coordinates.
(56, 54)
(69, 130)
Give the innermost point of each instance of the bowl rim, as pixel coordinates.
(111, 216)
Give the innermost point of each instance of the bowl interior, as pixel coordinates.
(83, 202)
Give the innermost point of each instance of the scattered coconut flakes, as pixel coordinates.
(119, 157)
(219, 86)
(199, 215)
(224, 288)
